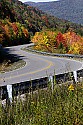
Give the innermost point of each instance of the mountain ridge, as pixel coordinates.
(71, 10)
(31, 17)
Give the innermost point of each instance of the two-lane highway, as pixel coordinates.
(37, 66)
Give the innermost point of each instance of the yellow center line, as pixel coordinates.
(33, 72)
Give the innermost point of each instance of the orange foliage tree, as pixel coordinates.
(13, 33)
(74, 42)
(15, 28)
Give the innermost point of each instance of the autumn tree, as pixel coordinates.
(13, 33)
(74, 42)
(45, 40)
(53, 41)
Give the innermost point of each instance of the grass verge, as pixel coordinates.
(9, 62)
(5, 67)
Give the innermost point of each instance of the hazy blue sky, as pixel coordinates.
(37, 0)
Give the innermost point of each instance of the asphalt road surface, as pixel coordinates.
(37, 66)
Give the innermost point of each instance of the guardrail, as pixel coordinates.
(79, 72)
(53, 54)
(28, 86)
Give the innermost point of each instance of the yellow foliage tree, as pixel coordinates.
(75, 42)
(45, 40)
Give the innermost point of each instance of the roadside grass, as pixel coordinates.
(9, 62)
(62, 106)
(6, 67)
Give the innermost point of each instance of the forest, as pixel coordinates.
(13, 33)
(57, 42)
(20, 23)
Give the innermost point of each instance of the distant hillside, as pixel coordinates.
(71, 10)
(31, 17)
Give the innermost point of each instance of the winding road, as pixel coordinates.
(37, 66)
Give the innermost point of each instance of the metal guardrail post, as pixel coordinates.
(52, 82)
(75, 76)
(9, 90)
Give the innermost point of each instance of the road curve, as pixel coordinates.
(37, 66)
